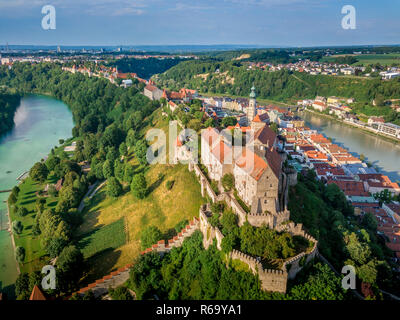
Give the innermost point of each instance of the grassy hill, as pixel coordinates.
(162, 207)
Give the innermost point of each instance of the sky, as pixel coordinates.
(286, 23)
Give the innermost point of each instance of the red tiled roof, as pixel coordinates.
(222, 152)
(37, 294)
(251, 163)
(266, 136)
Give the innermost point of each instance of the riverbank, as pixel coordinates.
(40, 122)
(353, 125)
(12, 238)
(382, 153)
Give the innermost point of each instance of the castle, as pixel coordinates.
(257, 166)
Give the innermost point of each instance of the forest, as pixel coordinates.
(145, 68)
(193, 273)
(107, 118)
(344, 238)
(280, 85)
(8, 104)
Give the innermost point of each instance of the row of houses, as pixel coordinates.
(333, 164)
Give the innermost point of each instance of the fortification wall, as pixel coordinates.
(271, 280)
(256, 220)
(113, 280)
(204, 183)
(295, 264)
(209, 232)
(162, 246)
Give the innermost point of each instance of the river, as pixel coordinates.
(382, 153)
(39, 124)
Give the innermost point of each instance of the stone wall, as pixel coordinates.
(204, 183)
(209, 232)
(295, 264)
(271, 279)
(162, 246)
(255, 219)
(113, 280)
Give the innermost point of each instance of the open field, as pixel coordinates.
(383, 59)
(366, 59)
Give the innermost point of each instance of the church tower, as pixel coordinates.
(251, 109)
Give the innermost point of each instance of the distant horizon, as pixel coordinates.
(228, 45)
(258, 23)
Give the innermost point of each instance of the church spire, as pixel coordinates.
(253, 92)
(252, 108)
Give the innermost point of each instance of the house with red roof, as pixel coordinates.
(152, 92)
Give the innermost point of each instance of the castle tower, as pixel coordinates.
(251, 109)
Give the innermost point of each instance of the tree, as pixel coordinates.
(228, 181)
(20, 254)
(274, 127)
(151, 235)
(39, 172)
(123, 150)
(55, 247)
(17, 227)
(194, 124)
(22, 211)
(12, 199)
(229, 121)
(210, 122)
(108, 169)
(141, 151)
(22, 289)
(120, 293)
(359, 251)
(114, 188)
(369, 221)
(139, 186)
(70, 266)
(129, 172)
(15, 190)
(52, 191)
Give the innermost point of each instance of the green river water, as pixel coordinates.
(39, 123)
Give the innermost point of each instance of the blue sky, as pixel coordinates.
(163, 22)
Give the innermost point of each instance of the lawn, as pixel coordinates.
(102, 239)
(35, 255)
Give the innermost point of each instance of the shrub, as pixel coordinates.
(120, 293)
(228, 182)
(151, 235)
(139, 186)
(22, 211)
(114, 188)
(170, 184)
(20, 254)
